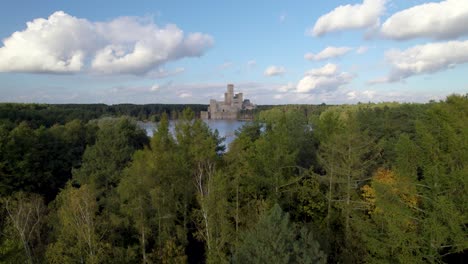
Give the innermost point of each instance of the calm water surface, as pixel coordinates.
(226, 128)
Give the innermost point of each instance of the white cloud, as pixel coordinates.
(424, 59)
(185, 95)
(328, 53)
(364, 96)
(344, 17)
(352, 95)
(369, 93)
(325, 78)
(443, 20)
(155, 88)
(274, 71)
(328, 70)
(286, 88)
(362, 49)
(127, 45)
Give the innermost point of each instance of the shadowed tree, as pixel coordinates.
(274, 239)
(25, 215)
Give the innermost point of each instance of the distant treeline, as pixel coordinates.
(49, 114)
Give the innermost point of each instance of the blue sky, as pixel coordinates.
(276, 52)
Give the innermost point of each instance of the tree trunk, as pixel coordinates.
(330, 188)
(348, 194)
(143, 246)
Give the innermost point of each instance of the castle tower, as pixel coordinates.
(229, 95)
(240, 99)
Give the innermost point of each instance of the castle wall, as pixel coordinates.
(204, 115)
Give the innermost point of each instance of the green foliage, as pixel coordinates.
(373, 183)
(274, 239)
(116, 141)
(40, 160)
(420, 214)
(23, 234)
(37, 115)
(76, 237)
(312, 204)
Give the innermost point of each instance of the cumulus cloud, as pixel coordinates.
(286, 88)
(443, 20)
(328, 70)
(127, 45)
(328, 53)
(424, 59)
(344, 17)
(274, 71)
(326, 78)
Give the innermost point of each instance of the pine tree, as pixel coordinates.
(274, 239)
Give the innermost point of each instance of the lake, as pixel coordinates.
(226, 128)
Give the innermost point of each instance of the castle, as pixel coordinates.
(229, 108)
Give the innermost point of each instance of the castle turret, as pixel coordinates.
(229, 95)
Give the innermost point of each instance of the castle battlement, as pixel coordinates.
(229, 108)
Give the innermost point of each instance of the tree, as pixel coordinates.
(103, 162)
(77, 239)
(275, 240)
(348, 156)
(135, 191)
(153, 200)
(25, 219)
(441, 169)
(417, 209)
(40, 160)
(390, 228)
(217, 206)
(200, 150)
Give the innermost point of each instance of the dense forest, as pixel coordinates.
(48, 114)
(365, 183)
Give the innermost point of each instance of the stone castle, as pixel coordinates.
(229, 108)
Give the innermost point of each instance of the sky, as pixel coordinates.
(275, 52)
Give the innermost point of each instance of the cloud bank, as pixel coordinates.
(425, 59)
(344, 17)
(443, 20)
(126, 45)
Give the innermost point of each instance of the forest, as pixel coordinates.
(364, 183)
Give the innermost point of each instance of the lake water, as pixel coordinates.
(226, 128)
